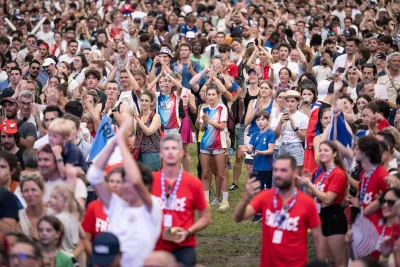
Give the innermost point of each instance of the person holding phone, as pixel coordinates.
(292, 128)
(213, 143)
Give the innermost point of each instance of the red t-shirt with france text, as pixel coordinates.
(95, 220)
(376, 184)
(336, 182)
(292, 250)
(189, 198)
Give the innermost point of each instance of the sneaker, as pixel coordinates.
(257, 218)
(233, 187)
(216, 202)
(224, 206)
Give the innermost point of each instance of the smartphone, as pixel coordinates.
(256, 42)
(206, 110)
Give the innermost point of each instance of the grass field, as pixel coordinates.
(225, 243)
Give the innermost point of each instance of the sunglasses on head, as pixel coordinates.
(389, 202)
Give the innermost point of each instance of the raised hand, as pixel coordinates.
(253, 187)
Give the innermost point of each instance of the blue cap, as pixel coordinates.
(105, 249)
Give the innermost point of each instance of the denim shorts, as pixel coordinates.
(151, 160)
(213, 152)
(295, 150)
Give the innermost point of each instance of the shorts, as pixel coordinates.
(185, 256)
(152, 160)
(265, 178)
(295, 150)
(333, 220)
(240, 135)
(212, 152)
(171, 131)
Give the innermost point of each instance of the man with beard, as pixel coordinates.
(373, 48)
(33, 73)
(287, 215)
(9, 138)
(71, 51)
(49, 171)
(26, 130)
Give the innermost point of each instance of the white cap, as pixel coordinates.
(323, 89)
(48, 61)
(186, 9)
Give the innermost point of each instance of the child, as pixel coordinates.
(190, 26)
(67, 210)
(65, 151)
(261, 147)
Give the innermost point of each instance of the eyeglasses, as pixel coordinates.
(389, 202)
(35, 68)
(331, 34)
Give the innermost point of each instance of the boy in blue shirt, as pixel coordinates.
(190, 26)
(261, 147)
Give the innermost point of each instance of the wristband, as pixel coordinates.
(296, 129)
(95, 175)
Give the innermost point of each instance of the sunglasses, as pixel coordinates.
(389, 202)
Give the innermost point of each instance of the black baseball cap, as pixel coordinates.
(105, 249)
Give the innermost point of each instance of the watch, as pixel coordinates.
(296, 129)
(59, 160)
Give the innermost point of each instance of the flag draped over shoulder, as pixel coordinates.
(104, 133)
(312, 131)
(342, 133)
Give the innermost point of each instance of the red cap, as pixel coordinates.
(9, 127)
(127, 9)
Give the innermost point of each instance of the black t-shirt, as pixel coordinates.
(19, 155)
(72, 155)
(8, 205)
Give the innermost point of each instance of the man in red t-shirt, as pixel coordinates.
(180, 195)
(287, 215)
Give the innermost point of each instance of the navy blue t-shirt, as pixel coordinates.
(72, 155)
(260, 142)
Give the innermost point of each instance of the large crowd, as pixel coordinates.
(100, 102)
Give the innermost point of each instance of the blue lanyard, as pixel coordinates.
(168, 200)
(281, 215)
(381, 238)
(325, 176)
(364, 187)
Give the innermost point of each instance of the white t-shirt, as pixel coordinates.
(47, 37)
(71, 231)
(273, 125)
(80, 190)
(66, 58)
(352, 91)
(322, 73)
(294, 68)
(380, 92)
(136, 228)
(287, 134)
(340, 63)
(126, 98)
